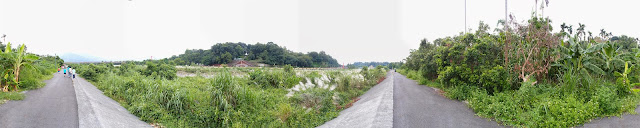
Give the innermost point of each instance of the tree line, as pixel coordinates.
(269, 53)
(390, 65)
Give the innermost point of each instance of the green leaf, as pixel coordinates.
(617, 74)
(594, 68)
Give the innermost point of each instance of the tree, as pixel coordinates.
(269, 53)
(225, 58)
(627, 43)
(531, 55)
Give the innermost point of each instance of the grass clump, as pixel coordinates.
(11, 96)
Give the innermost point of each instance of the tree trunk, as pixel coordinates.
(17, 77)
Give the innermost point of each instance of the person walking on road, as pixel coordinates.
(64, 71)
(70, 68)
(74, 73)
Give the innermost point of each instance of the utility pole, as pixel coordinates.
(465, 16)
(505, 11)
(505, 15)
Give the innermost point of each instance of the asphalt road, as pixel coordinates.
(627, 121)
(53, 106)
(419, 106)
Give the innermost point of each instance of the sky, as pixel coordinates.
(348, 30)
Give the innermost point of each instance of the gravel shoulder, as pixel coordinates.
(98, 110)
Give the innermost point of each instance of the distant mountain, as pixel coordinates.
(72, 57)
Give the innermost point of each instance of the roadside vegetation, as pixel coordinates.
(264, 97)
(20, 71)
(527, 76)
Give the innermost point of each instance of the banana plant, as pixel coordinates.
(612, 57)
(17, 60)
(623, 81)
(579, 56)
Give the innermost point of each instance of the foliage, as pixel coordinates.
(161, 70)
(389, 65)
(16, 61)
(269, 53)
(288, 68)
(226, 100)
(538, 78)
(528, 50)
(23, 70)
(627, 43)
(623, 82)
(271, 78)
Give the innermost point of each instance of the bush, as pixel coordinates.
(161, 70)
(495, 80)
(607, 99)
(273, 78)
(288, 68)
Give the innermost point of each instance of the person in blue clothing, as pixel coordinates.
(64, 71)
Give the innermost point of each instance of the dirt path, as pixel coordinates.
(53, 106)
(418, 106)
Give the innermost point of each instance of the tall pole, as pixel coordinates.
(505, 11)
(465, 16)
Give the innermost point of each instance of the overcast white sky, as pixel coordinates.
(349, 30)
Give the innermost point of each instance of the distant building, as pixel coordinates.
(239, 62)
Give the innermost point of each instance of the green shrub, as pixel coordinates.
(274, 78)
(495, 80)
(161, 70)
(288, 68)
(607, 99)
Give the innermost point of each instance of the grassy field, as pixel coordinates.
(260, 97)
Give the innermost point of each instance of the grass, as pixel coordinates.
(226, 100)
(11, 96)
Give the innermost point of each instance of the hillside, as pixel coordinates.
(269, 53)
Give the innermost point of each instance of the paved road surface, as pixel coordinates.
(97, 110)
(419, 106)
(627, 121)
(53, 106)
(374, 109)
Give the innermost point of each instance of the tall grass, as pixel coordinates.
(257, 100)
